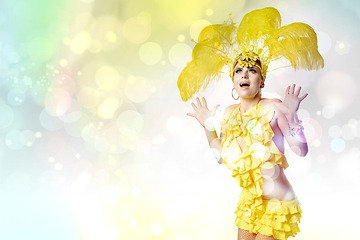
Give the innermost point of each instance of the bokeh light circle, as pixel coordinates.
(347, 132)
(81, 42)
(341, 95)
(6, 116)
(180, 54)
(136, 191)
(132, 223)
(107, 77)
(137, 89)
(75, 123)
(137, 29)
(324, 42)
(328, 112)
(50, 122)
(108, 33)
(57, 102)
(13, 140)
(150, 53)
(108, 107)
(312, 130)
(156, 229)
(196, 28)
(16, 96)
(338, 145)
(130, 123)
(27, 138)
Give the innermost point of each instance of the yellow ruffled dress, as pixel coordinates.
(255, 214)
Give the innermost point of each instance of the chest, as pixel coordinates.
(253, 128)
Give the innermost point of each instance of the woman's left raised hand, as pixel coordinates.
(292, 101)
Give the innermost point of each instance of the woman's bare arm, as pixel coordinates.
(205, 117)
(288, 120)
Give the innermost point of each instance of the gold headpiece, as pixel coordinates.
(259, 37)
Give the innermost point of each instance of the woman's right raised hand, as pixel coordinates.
(202, 112)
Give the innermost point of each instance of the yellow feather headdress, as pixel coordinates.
(259, 36)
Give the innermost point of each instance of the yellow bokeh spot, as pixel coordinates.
(137, 29)
(63, 62)
(58, 166)
(132, 223)
(107, 77)
(156, 229)
(180, 54)
(196, 28)
(163, 62)
(316, 142)
(181, 38)
(318, 113)
(150, 53)
(108, 107)
(81, 42)
(341, 45)
(111, 36)
(51, 159)
(209, 12)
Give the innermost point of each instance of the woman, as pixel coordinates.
(252, 135)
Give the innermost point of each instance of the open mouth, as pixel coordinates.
(245, 84)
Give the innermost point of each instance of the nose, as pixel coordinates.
(245, 73)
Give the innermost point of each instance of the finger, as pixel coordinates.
(204, 102)
(302, 98)
(298, 91)
(215, 108)
(194, 106)
(198, 102)
(287, 90)
(292, 89)
(191, 114)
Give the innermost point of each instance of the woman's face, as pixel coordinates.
(247, 81)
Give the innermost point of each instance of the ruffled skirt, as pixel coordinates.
(273, 218)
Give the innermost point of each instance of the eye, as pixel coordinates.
(238, 70)
(253, 70)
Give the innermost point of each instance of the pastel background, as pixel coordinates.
(95, 143)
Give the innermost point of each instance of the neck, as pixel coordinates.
(247, 103)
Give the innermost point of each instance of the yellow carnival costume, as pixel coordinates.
(258, 40)
(254, 214)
